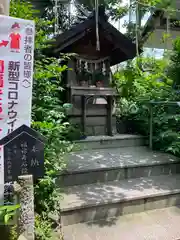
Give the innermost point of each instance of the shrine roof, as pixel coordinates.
(122, 48)
(150, 25)
(158, 20)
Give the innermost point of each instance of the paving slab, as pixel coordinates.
(77, 197)
(160, 224)
(116, 157)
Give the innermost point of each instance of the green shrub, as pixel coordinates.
(159, 82)
(48, 117)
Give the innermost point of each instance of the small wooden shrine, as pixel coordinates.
(88, 82)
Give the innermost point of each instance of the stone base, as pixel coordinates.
(116, 141)
(95, 125)
(98, 130)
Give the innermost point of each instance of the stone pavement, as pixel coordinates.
(160, 224)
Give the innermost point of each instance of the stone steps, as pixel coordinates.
(161, 224)
(111, 177)
(92, 202)
(112, 164)
(116, 141)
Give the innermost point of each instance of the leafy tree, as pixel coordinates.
(142, 77)
(174, 68)
(114, 9)
(153, 80)
(138, 9)
(46, 9)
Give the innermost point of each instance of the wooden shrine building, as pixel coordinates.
(89, 80)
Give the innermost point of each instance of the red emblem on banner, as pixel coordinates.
(1, 66)
(3, 43)
(15, 38)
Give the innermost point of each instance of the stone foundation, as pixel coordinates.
(95, 125)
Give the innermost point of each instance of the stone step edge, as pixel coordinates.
(122, 200)
(108, 138)
(74, 172)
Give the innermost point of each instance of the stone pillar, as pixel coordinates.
(26, 212)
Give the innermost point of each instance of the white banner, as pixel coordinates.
(16, 75)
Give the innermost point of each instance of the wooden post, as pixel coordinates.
(4, 7)
(151, 127)
(109, 116)
(26, 216)
(83, 102)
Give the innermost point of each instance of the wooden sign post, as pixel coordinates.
(23, 151)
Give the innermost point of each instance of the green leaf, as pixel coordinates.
(8, 217)
(12, 208)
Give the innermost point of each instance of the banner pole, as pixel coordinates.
(4, 10)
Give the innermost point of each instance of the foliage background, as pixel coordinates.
(140, 81)
(156, 80)
(48, 117)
